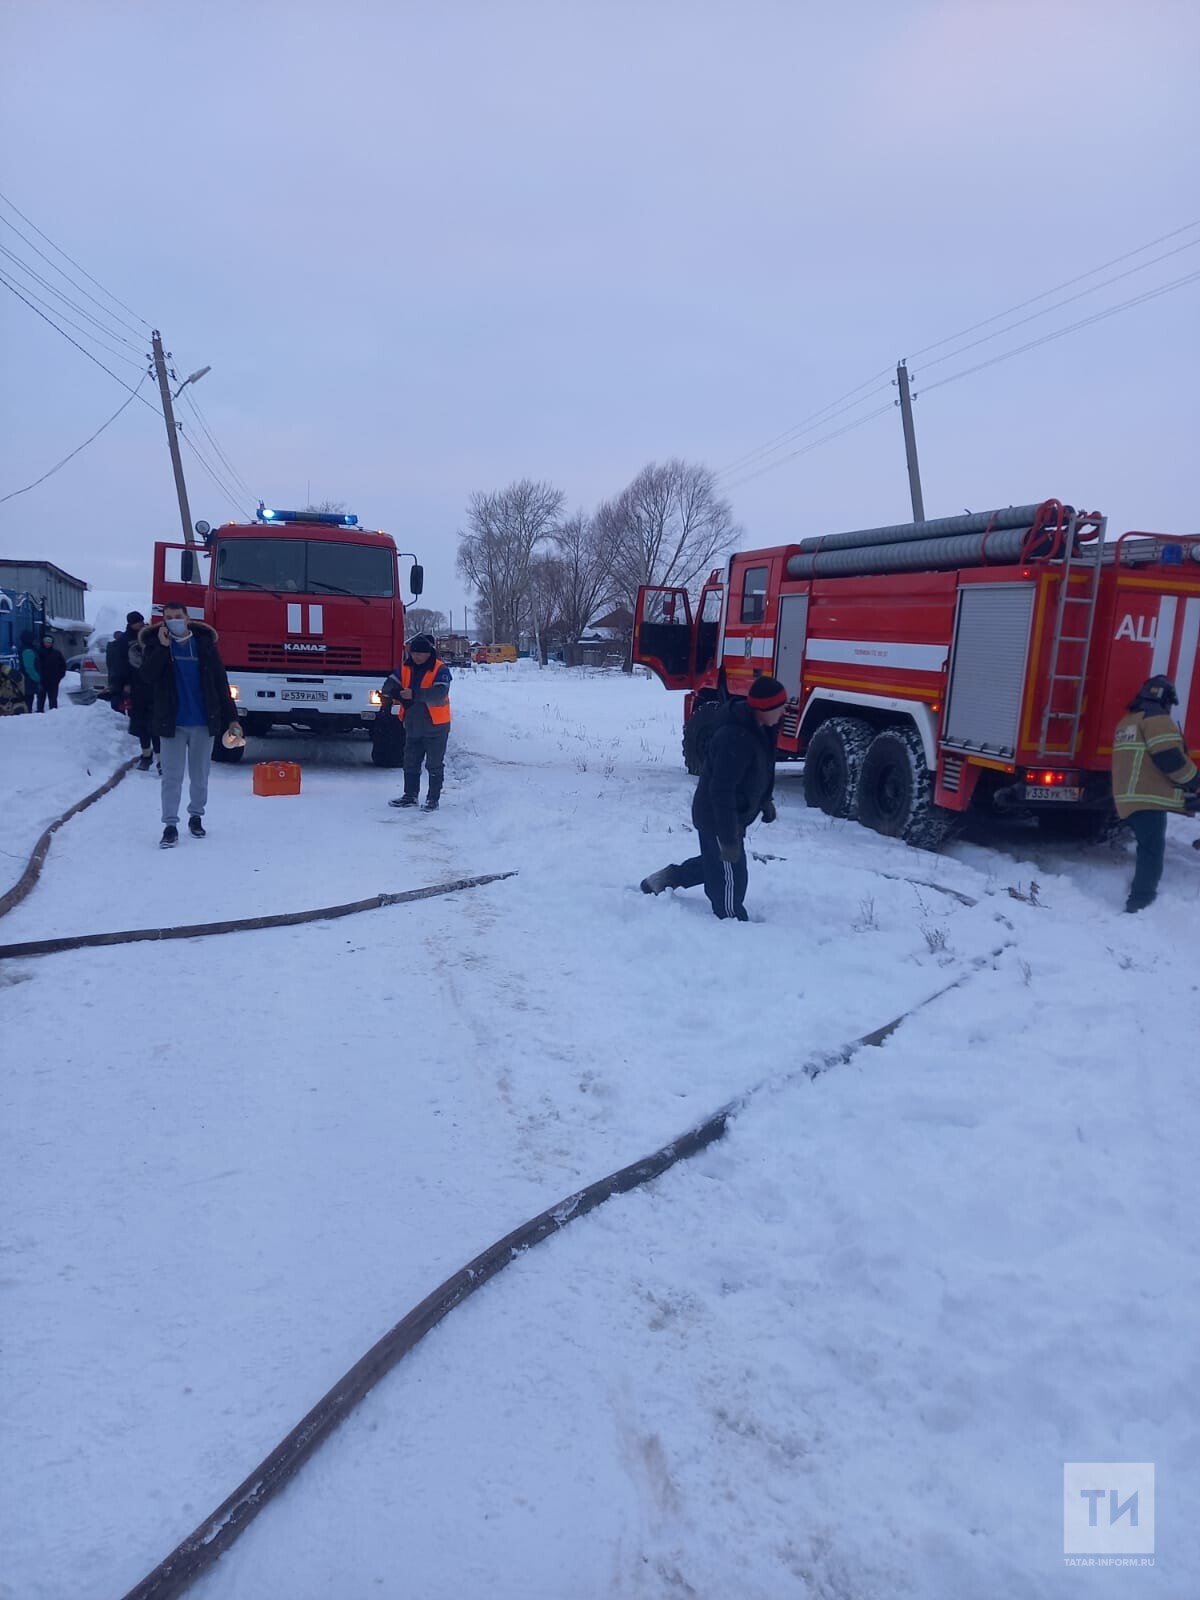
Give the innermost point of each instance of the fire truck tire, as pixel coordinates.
(230, 757)
(697, 731)
(895, 793)
(833, 764)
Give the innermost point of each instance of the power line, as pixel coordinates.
(1073, 327)
(234, 474)
(12, 286)
(36, 300)
(814, 419)
(81, 311)
(226, 491)
(1058, 304)
(837, 407)
(73, 262)
(814, 444)
(59, 464)
(1046, 293)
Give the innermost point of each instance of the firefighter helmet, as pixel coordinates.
(1160, 690)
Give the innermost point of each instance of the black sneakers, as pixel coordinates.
(170, 836)
(145, 763)
(430, 804)
(404, 800)
(195, 827)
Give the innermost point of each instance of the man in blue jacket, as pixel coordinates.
(736, 785)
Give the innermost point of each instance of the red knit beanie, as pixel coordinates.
(766, 694)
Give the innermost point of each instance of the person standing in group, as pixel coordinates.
(1152, 775)
(191, 706)
(737, 782)
(52, 665)
(30, 670)
(129, 689)
(420, 690)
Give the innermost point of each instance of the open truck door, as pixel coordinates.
(180, 576)
(663, 635)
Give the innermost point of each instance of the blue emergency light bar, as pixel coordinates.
(332, 519)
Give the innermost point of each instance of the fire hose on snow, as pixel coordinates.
(185, 1564)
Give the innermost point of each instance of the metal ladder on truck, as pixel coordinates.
(1073, 625)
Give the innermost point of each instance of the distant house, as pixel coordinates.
(38, 595)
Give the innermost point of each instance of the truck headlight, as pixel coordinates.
(234, 692)
(374, 698)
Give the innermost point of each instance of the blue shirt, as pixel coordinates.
(189, 697)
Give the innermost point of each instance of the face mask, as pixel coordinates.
(177, 627)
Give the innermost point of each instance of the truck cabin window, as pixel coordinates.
(754, 594)
(306, 566)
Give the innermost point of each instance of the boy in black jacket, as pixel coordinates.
(736, 786)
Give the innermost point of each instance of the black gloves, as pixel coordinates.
(768, 811)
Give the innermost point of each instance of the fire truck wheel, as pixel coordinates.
(833, 763)
(697, 731)
(895, 794)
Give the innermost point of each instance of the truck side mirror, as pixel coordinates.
(416, 580)
(187, 567)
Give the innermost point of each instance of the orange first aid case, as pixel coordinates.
(277, 777)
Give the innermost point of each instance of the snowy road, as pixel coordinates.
(846, 1352)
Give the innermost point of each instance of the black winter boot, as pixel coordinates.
(664, 878)
(170, 836)
(405, 799)
(196, 828)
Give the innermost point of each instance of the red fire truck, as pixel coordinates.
(980, 661)
(308, 609)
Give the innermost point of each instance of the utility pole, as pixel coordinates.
(910, 444)
(164, 390)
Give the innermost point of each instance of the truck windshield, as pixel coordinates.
(306, 566)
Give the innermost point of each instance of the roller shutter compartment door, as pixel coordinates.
(987, 673)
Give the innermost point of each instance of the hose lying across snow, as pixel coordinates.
(216, 1533)
(282, 919)
(37, 860)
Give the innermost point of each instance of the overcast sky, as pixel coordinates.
(430, 248)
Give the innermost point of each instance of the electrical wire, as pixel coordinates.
(29, 223)
(80, 311)
(36, 300)
(1073, 327)
(814, 444)
(814, 419)
(12, 286)
(12, 495)
(817, 419)
(229, 494)
(234, 474)
(1104, 283)
(1046, 293)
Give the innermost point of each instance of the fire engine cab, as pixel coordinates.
(308, 609)
(980, 661)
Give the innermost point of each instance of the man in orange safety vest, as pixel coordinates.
(420, 691)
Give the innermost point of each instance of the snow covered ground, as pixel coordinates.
(844, 1353)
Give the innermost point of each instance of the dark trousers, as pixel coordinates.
(52, 695)
(428, 747)
(724, 882)
(1150, 831)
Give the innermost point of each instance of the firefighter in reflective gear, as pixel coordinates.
(1152, 775)
(420, 690)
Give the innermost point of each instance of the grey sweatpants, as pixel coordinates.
(190, 747)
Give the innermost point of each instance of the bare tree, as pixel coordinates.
(670, 526)
(420, 619)
(585, 560)
(505, 529)
(544, 603)
(327, 505)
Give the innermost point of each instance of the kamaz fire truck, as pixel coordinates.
(973, 662)
(308, 609)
